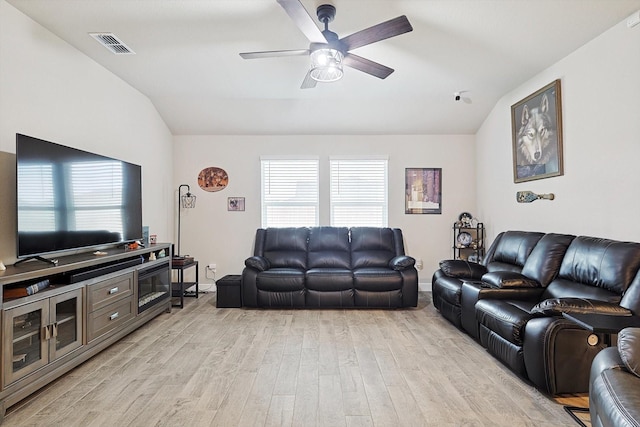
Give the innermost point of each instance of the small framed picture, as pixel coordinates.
(423, 191)
(235, 203)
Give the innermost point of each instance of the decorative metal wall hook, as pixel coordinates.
(530, 196)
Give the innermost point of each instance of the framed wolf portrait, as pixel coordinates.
(536, 126)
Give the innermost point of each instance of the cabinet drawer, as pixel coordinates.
(102, 294)
(110, 317)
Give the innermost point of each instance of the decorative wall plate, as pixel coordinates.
(213, 179)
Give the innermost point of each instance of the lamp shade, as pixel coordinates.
(326, 65)
(188, 200)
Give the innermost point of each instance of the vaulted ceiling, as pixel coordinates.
(187, 60)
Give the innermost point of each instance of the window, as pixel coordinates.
(290, 192)
(36, 194)
(97, 195)
(359, 192)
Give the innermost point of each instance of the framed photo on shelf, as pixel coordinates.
(235, 203)
(423, 191)
(536, 126)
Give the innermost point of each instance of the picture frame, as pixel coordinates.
(423, 191)
(536, 126)
(235, 204)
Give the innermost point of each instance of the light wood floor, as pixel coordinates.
(203, 366)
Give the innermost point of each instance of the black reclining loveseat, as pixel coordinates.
(513, 301)
(332, 267)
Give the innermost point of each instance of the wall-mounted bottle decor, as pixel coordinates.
(530, 196)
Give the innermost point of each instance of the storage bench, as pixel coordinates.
(228, 291)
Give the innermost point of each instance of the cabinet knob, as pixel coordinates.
(114, 316)
(113, 290)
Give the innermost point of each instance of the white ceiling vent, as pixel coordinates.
(113, 43)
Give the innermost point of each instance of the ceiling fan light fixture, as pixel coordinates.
(326, 65)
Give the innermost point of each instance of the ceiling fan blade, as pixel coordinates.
(367, 66)
(384, 30)
(303, 20)
(308, 82)
(274, 53)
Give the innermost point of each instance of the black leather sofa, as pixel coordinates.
(614, 384)
(512, 302)
(333, 267)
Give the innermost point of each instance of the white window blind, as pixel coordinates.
(36, 194)
(97, 196)
(359, 192)
(289, 192)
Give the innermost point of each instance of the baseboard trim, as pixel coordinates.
(424, 286)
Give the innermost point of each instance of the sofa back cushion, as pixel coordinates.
(511, 250)
(329, 247)
(543, 264)
(285, 247)
(372, 247)
(603, 263)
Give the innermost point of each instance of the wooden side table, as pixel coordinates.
(178, 288)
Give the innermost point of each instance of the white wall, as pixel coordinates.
(598, 194)
(212, 234)
(50, 90)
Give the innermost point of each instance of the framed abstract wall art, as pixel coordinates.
(423, 191)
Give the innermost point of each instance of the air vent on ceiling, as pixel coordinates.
(113, 43)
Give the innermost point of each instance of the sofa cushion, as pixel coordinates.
(546, 257)
(329, 279)
(280, 279)
(557, 306)
(286, 247)
(629, 349)
(508, 279)
(329, 247)
(462, 269)
(563, 288)
(604, 263)
(376, 279)
(372, 247)
(514, 248)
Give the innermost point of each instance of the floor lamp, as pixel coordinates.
(186, 201)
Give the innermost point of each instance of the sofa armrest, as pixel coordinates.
(629, 349)
(402, 262)
(462, 269)
(508, 280)
(257, 263)
(557, 306)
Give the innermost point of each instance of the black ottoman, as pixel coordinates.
(229, 292)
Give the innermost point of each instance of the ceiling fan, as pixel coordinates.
(327, 52)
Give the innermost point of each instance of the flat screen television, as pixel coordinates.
(68, 199)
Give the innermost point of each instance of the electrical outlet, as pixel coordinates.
(419, 264)
(212, 267)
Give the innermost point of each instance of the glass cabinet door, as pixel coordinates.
(66, 323)
(25, 340)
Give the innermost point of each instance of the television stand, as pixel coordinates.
(53, 262)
